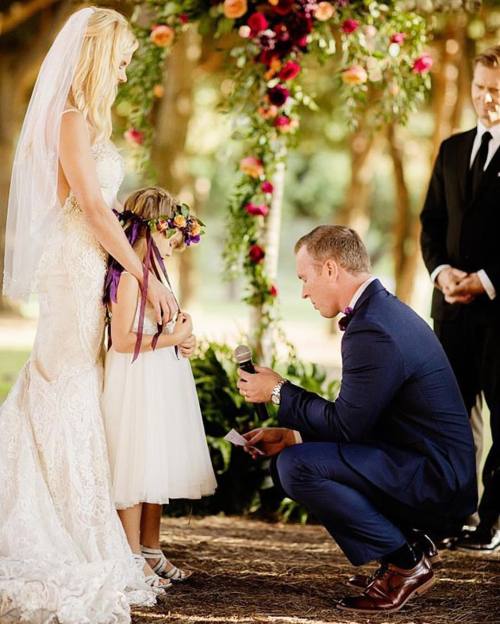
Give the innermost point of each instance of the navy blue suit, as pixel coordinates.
(395, 449)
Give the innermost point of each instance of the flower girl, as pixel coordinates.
(154, 428)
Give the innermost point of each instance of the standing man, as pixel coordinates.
(394, 451)
(461, 249)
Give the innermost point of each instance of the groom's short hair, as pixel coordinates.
(489, 57)
(338, 242)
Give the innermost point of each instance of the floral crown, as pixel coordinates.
(180, 221)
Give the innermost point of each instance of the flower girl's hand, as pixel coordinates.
(188, 347)
(183, 327)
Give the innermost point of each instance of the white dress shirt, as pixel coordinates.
(492, 148)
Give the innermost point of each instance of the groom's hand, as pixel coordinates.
(257, 387)
(270, 440)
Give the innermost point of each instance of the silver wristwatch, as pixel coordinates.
(276, 393)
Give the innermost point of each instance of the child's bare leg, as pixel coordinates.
(131, 521)
(150, 525)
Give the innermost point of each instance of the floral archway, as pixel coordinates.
(376, 48)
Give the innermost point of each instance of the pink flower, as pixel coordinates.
(285, 123)
(255, 210)
(252, 166)
(134, 137)
(398, 38)
(162, 35)
(422, 64)
(257, 22)
(267, 187)
(354, 75)
(289, 70)
(349, 26)
(273, 290)
(256, 253)
(278, 95)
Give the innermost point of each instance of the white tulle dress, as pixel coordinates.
(63, 554)
(154, 428)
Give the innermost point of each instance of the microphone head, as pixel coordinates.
(242, 353)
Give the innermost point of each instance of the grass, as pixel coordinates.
(11, 362)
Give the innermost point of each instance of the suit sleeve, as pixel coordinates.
(434, 219)
(372, 374)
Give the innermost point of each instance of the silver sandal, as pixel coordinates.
(165, 568)
(153, 580)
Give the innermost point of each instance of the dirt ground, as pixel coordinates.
(249, 572)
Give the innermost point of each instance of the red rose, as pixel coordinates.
(278, 95)
(257, 23)
(282, 121)
(256, 253)
(422, 64)
(183, 18)
(257, 210)
(398, 38)
(289, 70)
(283, 7)
(267, 187)
(273, 290)
(349, 26)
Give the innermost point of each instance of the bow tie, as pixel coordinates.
(346, 319)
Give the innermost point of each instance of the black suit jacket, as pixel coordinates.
(462, 232)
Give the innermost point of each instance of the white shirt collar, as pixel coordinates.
(494, 130)
(360, 291)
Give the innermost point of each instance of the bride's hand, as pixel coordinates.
(162, 300)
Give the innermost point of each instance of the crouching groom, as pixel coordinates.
(394, 452)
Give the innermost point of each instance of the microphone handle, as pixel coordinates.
(260, 408)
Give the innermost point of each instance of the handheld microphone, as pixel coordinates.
(243, 357)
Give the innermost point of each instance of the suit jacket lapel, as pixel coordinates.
(490, 174)
(463, 165)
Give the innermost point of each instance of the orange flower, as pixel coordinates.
(354, 75)
(162, 35)
(158, 91)
(324, 11)
(196, 229)
(268, 112)
(251, 166)
(235, 8)
(180, 221)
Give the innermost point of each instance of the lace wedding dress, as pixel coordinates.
(63, 554)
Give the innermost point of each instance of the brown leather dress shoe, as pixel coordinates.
(391, 589)
(423, 541)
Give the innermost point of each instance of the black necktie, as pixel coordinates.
(477, 169)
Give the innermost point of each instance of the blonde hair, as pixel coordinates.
(338, 242)
(107, 39)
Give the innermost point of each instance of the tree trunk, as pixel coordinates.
(406, 223)
(169, 151)
(355, 211)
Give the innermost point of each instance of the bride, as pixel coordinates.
(63, 554)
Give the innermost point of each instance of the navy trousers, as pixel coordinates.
(358, 517)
